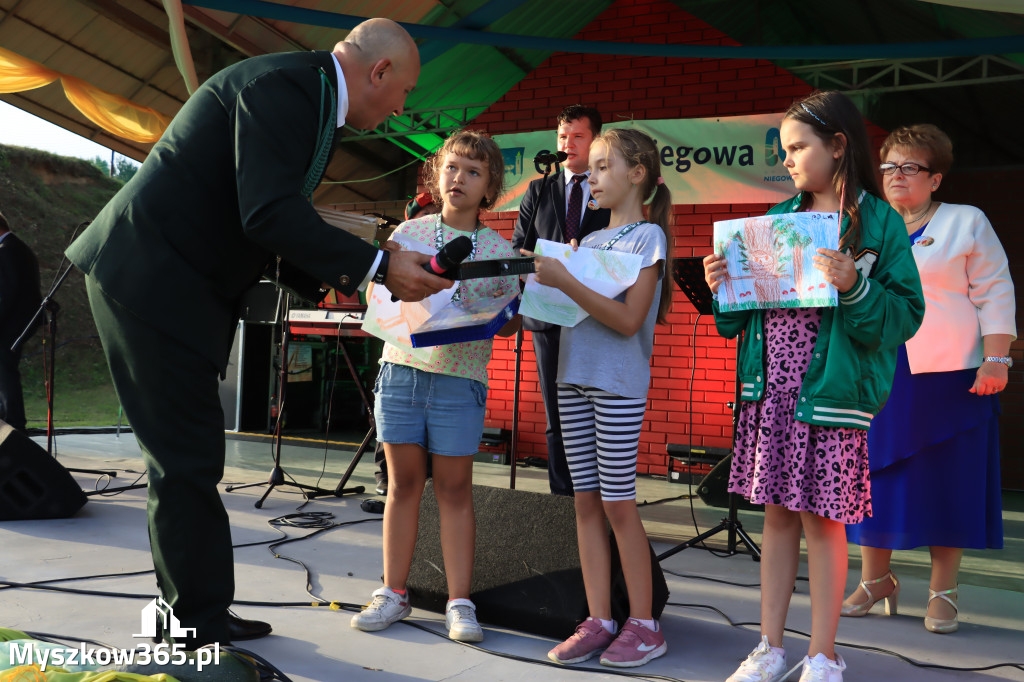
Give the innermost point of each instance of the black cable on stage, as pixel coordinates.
(272, 548)
(719, 580)
(6, 586)
(119, 489)
(662, 500)
(709, 579)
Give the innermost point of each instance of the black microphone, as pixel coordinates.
(550, 157)
(449, 257)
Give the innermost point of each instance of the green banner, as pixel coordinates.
(727, 160)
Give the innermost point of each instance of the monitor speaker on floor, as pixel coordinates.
(526, 573)
(33, 485)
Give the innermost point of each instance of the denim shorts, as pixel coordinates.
(439, 412)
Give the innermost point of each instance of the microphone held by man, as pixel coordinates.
(446, 261)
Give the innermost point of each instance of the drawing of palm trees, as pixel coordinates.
(721, 248)
(762, 255)
(797, 241)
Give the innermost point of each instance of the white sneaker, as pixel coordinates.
(764, 664)
(822, 669)
(460, 615)
(385, 608)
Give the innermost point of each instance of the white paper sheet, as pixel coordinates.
(607, 272)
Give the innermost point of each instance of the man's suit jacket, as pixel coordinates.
(19, 290)
(550, 222)
(219, 194)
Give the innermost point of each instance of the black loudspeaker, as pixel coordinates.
(526, 573)
(33, 485)
(714, 488)
(249, 379)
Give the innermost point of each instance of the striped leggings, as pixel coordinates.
(601, 432)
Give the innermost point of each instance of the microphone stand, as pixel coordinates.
(688, 273)
(277, 475)
(531, 230)
(48, 304)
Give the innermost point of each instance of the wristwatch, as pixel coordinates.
(1002, 360)
(382, 267)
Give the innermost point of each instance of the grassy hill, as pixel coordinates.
(45, 198)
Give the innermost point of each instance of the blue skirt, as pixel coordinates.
(933, 451)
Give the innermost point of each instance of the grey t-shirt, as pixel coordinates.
(591, 354)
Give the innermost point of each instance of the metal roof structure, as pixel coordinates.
(956, 66)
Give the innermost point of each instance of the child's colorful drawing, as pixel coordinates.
(769, 261)
(609, 273)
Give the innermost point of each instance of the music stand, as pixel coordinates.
(688, 273)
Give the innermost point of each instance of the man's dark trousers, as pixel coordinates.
(545, 347)
(155, 376)
(12, 402)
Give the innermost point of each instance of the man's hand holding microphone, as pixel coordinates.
(407, 279)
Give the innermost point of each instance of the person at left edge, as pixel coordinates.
(19, 301)
(227, 187)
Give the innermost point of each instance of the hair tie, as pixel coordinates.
(661, 180)
(816, 117)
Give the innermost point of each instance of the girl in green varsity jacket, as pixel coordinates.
(813, 378)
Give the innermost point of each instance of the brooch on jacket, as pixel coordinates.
(592, 205)
(924, 241)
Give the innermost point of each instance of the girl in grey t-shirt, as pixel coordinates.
(603, 377)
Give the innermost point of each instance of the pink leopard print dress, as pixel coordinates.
(781, 461)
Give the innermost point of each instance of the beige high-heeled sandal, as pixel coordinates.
(891, 601)
(943, 626)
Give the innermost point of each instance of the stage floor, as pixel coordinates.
(317, 645)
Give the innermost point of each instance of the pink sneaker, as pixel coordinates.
(634, 646)
(589, 638)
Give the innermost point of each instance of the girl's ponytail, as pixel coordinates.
(659, 212)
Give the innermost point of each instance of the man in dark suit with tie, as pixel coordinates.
(561, 210)
(19, 301)
(225, 189)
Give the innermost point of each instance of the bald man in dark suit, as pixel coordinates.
(225, 190)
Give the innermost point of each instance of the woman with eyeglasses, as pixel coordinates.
(934, 447)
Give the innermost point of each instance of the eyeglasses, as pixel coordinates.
(906, 168)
